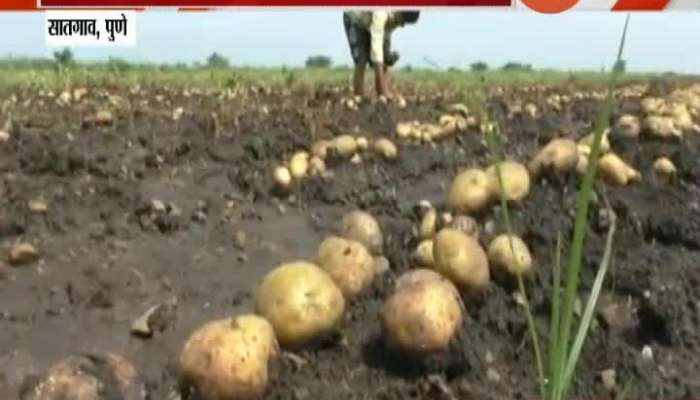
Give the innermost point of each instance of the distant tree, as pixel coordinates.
(516, 66)
(408, 68)
(63, 58)
(216, 60)
(620, 66)
(319, 61)
(479, 66)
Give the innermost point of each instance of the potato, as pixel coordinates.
(470, 191)
(364, 228)
(405, 129)
(628, 126)
(386, 148)
(465, 224)
(299, 165)
(615, 171)
(558, 155)
(283, 178)
(300, 300)
(320, 149)
(530, 110)
(344, 145)
(664, 168)
(459, 108)
(652, 105)
(516, 180)
(680, 115)
(661, 127)
(582, 164)
(228, 358)
(423, 255)
(316, 166)
(88, 377)
(461, 259)
(420, 275)
(421, 318)
(362, 143)
(428, 224)
(448, 122)
(515, 260)
(604, 141)
(348, 263)
(462, 123)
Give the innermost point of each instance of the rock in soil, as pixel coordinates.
(608, 377)
(23, 254)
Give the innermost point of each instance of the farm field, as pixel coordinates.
(156, 189)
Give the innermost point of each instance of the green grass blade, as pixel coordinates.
(554, 323)
(583, 199)
(585, 323)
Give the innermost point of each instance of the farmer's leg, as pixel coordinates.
(359, 42)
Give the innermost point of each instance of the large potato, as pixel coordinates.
(344, 145)
(470, 191)
(661, 127)
(515, 260)
(300, 300)
(361, 226)
(227, 359)
(515, 179)
(557, 155)
(92, 376)
(348, 263)
(420, 275)
(461, 259)
(421, 318)
(299, 165)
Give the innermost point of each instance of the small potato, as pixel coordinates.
(344, 145)
(364, 228)
(661, 127)
(470, 191)
(320, 149)
(465, 224)
(582, 164)
(423, 255)
(515, 177)
(558, 155)
(348, 263)
(405, 129)
(386, 148)
(461, 259)
(300, 300)
(316, 166)
(628, 126)
(88, 377)
(604, 141)
(420, 275)
(664, 168)
(448, 121)
(428, 224)
(283, 178)
(362, 143)
(515, 260)
(299, 165)
(228, 358)
(421, 318)
(530, 110)
(459, 108)
(615, 171)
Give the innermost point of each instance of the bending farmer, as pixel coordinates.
(369, 37)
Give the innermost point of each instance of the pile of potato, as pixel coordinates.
(672, 116)
(474, 189)
(312, 163)
(457, 119)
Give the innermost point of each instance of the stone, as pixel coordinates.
(608, 377)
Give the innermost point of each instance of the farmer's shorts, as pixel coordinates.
(360, 43)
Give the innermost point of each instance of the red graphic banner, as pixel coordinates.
(272, 3)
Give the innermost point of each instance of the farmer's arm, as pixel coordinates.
(377, 32)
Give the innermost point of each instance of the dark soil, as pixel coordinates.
(109, 253)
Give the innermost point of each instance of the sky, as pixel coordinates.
(666, 41)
